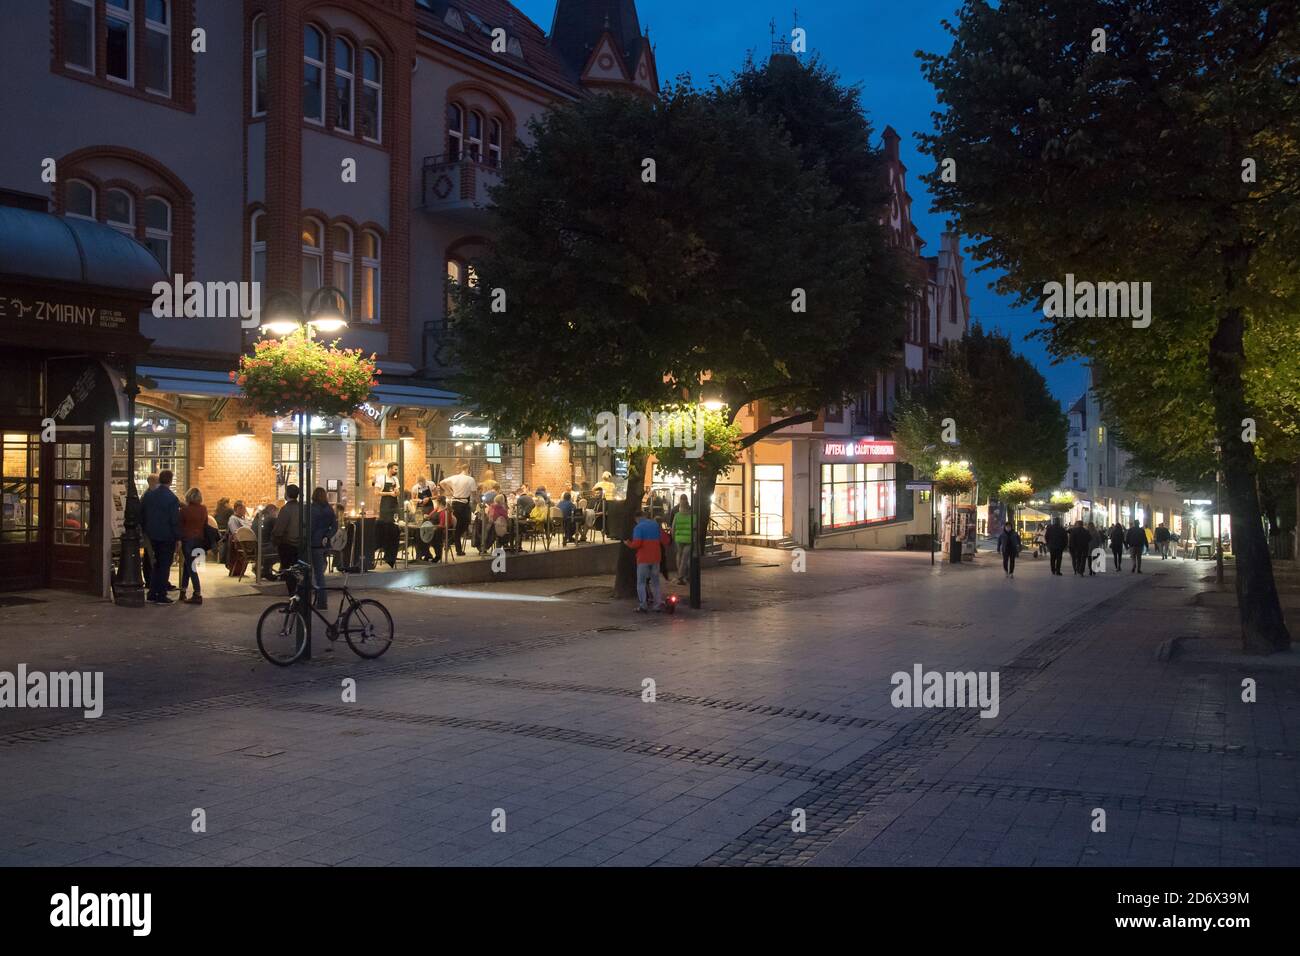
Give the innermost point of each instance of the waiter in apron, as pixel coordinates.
(390, 496)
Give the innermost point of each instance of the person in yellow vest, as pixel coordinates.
(606, 485)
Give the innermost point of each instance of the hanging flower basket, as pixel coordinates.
(1015, 492)
(953, 480)
(294, 374)
(1061, 502)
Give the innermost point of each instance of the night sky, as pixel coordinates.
(868, 42)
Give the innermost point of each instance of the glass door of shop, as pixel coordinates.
(769, 500)
(73, 528)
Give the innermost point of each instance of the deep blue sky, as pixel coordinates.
(869, 42)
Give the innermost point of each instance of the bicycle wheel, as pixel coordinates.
(281, 634)
(368, 628)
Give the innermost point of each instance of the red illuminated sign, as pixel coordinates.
(860, 449)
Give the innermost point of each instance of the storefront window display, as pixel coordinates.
(858, 493)
(20, 476)
(471, 441)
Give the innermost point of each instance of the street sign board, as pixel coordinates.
(920, 486)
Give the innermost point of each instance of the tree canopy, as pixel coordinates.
(1006, 422)
(1143, 141)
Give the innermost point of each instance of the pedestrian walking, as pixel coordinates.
(1055, 538)
(193, 522)
(1162, 541)
(1117, 544)
(160, 519)
(1009, 544)
(647, 542)
(1136, 540)
(1078, 543)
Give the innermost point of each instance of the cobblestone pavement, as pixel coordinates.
(523, 703)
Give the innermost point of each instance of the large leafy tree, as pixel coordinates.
(1168, 157)
(618, 290)
(1006, 422)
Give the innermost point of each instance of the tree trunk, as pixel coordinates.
(1263, 630)
(625, 573)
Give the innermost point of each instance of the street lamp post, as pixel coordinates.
(1218, 517)
(710, 401)
(127, 588)
(284, 315)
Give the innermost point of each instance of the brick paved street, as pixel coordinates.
(527, 699)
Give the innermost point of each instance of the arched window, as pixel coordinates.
(257, 267)
(119, 23)
(313, 257)
(341, 239)
(344, 84)
(313, 75)
(455, 132)
(370, 251)
(372, 96)
(158, 47)
(261, 80)
(119, 211)
(455, 273)
(158, 230)
(494, 143)
(79, 199)
(475, 136)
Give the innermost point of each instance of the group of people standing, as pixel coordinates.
(653, 543)
(1082, 542)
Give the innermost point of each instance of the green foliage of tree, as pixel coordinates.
(720, 441)
(619, 290)
(1129, 164)
(1015, 492)
(1007, 423)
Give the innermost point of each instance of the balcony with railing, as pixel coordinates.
(458, 187)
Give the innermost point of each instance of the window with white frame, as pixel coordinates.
(313, 257)
(158, 47)
(494, 143)
(370, 251)
(341, 239)
(344, 84)
(158, 230)
(372, 96)
(119, 211)
(313, 75)
(119, 59)
(455, 132)
(257, 269)
(79, 34)
(79, 200)
(261, 79)
(475, 135)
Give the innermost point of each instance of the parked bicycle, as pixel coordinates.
(364, 623)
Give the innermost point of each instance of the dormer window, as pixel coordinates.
(515, 48)
(453, 20)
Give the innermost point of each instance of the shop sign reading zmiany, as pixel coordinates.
(26, 308)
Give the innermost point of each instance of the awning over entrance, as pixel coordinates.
(72, 285)
(190, 381)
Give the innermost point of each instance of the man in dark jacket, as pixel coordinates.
(1009, 545)
(1136, 539)
(1078, 542)
(1162, 541)
(1117, 544)
(1056, 538)
(160, 520)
